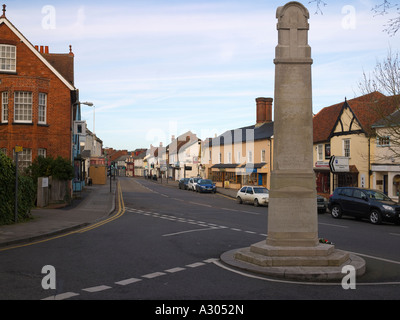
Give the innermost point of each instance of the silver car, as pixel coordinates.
(253, 194)
(192, 184)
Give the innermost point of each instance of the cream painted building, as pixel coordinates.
(242, 156)
(346, 130)
(385, 166)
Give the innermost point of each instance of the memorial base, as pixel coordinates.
(319, 263)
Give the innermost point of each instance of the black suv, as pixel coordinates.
(363, 203)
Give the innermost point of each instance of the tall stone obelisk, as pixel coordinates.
(293, 189)
(292, 247)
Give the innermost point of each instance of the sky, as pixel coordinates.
(157, 68)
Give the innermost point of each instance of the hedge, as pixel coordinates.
(26, 193)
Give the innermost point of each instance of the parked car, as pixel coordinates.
(322, 204)
(363, 203)
(206, 185)
(183, 183)
(192, 183)
(253, 194)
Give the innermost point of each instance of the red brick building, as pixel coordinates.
(37, 97)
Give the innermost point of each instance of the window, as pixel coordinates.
(8, 58)
(346, 147)
(327, 151)
(263, 156)
(42, 108)
(359, 194)
(23, 107)
(4, 107)
(383, 141)
(320, 149)
(24, 158)
(346, 192)
(250, 157)
(238, 160)
(229, 157)
(42, 152)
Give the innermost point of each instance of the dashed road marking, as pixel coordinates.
(97, 288)
(153, 275)
(173, 270)
(129, 281)
(206, 226)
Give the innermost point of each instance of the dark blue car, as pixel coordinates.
(364, 203)
(206, 185)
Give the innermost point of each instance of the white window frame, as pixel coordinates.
(229, 157)
(263, 155)
(23, 107)
(238, 160)
(383, 141)
(4, 107)
(346, 148)
(42, 152)
(8, 58)
(250, 156)
(42, 109)
(320, 152)
(24, 158)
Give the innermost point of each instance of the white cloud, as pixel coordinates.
(146, 63)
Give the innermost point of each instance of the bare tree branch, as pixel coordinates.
(318, 3)
(383, 8)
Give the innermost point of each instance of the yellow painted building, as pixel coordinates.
(346, 130)
(242, 156)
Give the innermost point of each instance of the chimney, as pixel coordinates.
(46, 49)
(264, 110)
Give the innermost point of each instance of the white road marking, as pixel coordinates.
(195, 265)
(173, 270)
(188, 231)
(128, 281)
(62, 296)
(97, 289)
(333, 225)
(153, 275)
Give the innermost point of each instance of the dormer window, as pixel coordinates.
(8, 58)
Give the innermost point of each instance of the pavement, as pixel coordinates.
(89, 206)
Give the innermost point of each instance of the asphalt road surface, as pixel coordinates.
(166, 245)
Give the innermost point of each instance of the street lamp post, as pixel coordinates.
(90, 104)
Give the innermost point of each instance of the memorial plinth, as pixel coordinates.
(292, 247)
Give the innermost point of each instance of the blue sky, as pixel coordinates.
(155, 69)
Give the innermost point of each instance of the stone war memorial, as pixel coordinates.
(292, 249)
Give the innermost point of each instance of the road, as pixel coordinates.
(166, 246)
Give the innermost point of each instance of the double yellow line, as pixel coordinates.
(121, 211)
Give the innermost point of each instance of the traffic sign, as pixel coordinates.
(339, 164)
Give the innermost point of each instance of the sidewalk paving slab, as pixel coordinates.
(94, 203)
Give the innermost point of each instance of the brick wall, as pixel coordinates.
(32, 75)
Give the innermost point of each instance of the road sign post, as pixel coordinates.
(339, 164)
